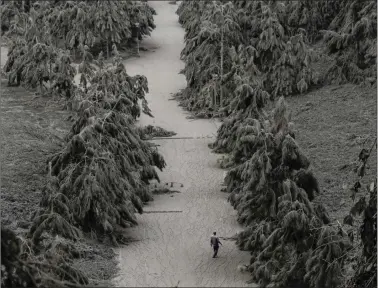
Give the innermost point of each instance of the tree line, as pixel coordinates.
(242, 57)
(99, 180)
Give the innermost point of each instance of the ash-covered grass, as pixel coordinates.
(32, 128)
(332, 123)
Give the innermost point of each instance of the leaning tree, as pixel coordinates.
(100, 179)
(291, 239)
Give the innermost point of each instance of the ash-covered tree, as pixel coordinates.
(18, 22)
(80, 28)
(141, 13)
(284, 62)
(292, 72)
(20, 267)
(14, 273)
(106, 22)
(9, 9)
(34, 61)
(206, 56)
(73, 24)
(61, 17)
(310, 17)
(352, 39)
(271, 39)
(190, 13)
(290, 238)
(100, 179)
(86, 67)
(111, 23)
(41, 65)
(247, 103)
(366, 271)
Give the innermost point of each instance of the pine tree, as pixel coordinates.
(89, 23)
(61, 17)
(86, 67)
(206, 55)
(62, 78)
(271, 39)
(9, 10)
(110, 23)
(286, 233)
(284, 63)
(36, 63)
(250, 16)
(21, 268)
(247, 103)
(100, 179)
(310, 17)
(366, 272)
(34, 60)
(292, 72)
(352, 38)
(81, 31)
(142, 14)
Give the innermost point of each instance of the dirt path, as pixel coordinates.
(174, 248)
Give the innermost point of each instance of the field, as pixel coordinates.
(332, 124)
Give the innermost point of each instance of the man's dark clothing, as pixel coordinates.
(214, 241)
(216, 248)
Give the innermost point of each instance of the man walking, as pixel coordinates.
(214, 242)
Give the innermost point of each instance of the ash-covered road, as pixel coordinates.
(174, 248)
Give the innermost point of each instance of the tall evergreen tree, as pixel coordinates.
(100, 179)
(287, 234)
(352, 37)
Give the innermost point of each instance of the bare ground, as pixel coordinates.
(332, 124)
(32, 129)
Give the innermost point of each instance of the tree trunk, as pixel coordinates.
(107, 48)
(213, 98)
(50, 74)
(222, 56)
(138, 47)
(27, 6)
